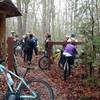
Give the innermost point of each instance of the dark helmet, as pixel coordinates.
(72, 34)
(49, 36)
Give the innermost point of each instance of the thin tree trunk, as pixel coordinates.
(44, 16)
(25, 18)
(75, 18)
(66, 18)
(97, 17)
(19, 19)
(53, 15)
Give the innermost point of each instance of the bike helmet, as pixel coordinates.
(72, 34)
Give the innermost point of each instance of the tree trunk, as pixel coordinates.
(97, 17)
(53, 16)
(25, 18)
(19, 19)
(66, 18)
(75, 17)
(44, 16)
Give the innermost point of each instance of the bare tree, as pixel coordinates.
(19, 19)
(25, 3)
(44, 16)
(97, 17)
(52, 16)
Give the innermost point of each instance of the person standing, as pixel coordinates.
(30, 48)
(48, 48)
(25, 46)
(47, 39)
(35, 44)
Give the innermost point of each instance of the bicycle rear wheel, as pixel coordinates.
(42, 88)
(66, 70)
(43, 63)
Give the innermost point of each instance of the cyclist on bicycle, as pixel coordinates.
(48, 48)
(69, 53)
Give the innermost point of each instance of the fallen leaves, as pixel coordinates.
(73, 89)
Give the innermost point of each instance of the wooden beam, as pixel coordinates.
(62, 43)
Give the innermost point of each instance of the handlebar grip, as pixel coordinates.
(2, 68)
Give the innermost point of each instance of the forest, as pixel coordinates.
(56, 17)
(60, 18)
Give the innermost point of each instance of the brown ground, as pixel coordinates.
(74, 87)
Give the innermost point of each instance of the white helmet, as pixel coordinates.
(58, 50)
(67, 36)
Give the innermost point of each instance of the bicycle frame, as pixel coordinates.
(5, 71)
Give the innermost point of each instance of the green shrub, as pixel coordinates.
(84, 98)
(92, 81)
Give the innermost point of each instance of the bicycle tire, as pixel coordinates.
(43, 63)
(66, 70)
(37, 84)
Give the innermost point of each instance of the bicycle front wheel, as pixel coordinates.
(66, 70)
(43, 63)
(41, 87)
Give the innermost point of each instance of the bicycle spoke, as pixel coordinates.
(43, 62)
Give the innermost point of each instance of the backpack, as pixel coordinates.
(31, 43)
(35, 41)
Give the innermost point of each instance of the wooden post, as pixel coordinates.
(10, 50)
(3, 34)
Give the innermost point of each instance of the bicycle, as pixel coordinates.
(44, 60)
(25, 89)
(66, 66)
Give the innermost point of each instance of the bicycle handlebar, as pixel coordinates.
(2, 68)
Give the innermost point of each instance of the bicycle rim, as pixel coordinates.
(66, 69)
(43, 62)
(42, 88)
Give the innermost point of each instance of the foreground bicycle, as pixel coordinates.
(44, 60)
(32, 89)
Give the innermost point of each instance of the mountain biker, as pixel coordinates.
(35, 44)
(69, 52)
(30, 48)
(25, 46)
(48, 48)
(47, 39)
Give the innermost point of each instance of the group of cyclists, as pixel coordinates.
(29, 44)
